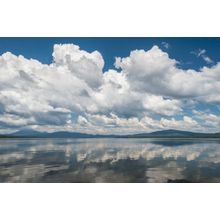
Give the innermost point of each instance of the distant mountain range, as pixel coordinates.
(175, 134)
(63, 134)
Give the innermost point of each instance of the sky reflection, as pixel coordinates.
(109, 160)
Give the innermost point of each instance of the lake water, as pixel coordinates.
(109, 160)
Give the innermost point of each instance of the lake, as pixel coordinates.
(109, 160)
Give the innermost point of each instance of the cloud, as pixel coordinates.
(165, 45)
(84, 65)
(186, 123)
(202, 53)
(154, 72)
(208, 120)
(146, 91)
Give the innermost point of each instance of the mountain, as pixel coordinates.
(166, 133)
(58, 134)
(29, 133)
(175, 134)
(172, 132)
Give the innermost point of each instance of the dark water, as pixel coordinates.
(109, 160)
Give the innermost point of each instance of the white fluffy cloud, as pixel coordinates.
(154, 72)
(86, 66)
(146, 93)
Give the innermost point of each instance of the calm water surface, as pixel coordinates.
(109, 160)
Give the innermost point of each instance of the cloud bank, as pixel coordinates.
(146, 91)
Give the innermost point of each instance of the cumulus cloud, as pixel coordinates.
(84, 65)
(155, 72)
(145, 92)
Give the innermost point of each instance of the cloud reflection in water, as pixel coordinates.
(109, 160)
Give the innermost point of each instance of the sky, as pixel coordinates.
(109, 85)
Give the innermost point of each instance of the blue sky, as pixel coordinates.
(155, 84)
(180, 48)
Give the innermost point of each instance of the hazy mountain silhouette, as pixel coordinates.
(157, 134)
(171, 133)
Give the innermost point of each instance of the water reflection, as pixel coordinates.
(109, 160)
